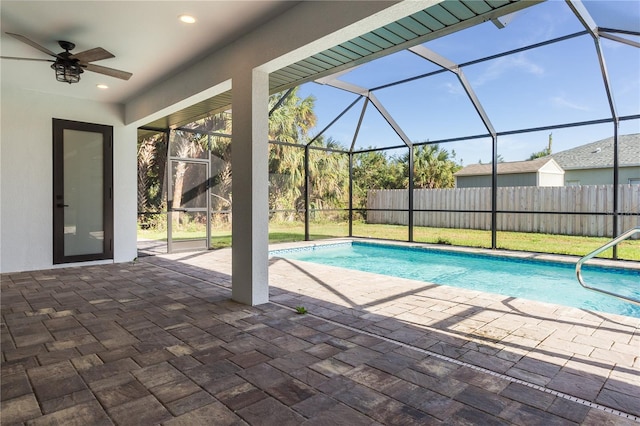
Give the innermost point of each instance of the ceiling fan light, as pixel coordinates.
(187, 19)
(67, 72)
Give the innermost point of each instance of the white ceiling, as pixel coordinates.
(146, 38)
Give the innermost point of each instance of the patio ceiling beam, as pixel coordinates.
(280, 101)
(587, 21)
(386, 148)
(435, 58)
(203, 132)
(619, 31)
(334, 120)
(445, 63)
(618, 39)
(394, 125)
(339, 84)
(502, 21)
(333, 81)
(152, 129)
(335, 76)
(357, 131)
(484, 59)
(476, 103)
(458, 139)
(583, 16)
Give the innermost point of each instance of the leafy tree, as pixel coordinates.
(539, 154)
(184, 145)
(146, 161)
(328, 171)
(376, 170)
(220, 147)
(293, 119)
(544, 152)
(328, 176)
(152, 159)
(290, 123)
(500, 160)
(433, 167)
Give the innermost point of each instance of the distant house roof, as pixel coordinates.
(599, 154)
(514, 167)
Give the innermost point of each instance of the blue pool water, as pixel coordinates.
(529, 279)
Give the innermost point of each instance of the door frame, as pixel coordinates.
(174, 246)
(59, 125)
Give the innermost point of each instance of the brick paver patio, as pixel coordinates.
(159, 342)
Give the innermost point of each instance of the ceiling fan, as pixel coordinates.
(68, 66)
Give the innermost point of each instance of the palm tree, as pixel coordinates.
(293, 118)
(221, 176)
(184, 145)
(546, 151)
(152, 157)
(329, 176)
(290, 123)
(433, 168)
(146, 157)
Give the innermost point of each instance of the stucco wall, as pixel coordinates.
(26, 218)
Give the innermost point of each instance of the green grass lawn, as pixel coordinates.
(542, 243)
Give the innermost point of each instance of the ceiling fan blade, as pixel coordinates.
(32, 44)
(108, 71)
(95, 54)
(26, 59)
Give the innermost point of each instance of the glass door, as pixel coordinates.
(188, 217)
(83, 199)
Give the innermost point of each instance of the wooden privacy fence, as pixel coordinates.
(559, 200)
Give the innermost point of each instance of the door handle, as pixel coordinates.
(62, 205)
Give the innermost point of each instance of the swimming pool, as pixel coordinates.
(551, 282)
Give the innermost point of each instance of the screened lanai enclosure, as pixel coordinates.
(521, 133)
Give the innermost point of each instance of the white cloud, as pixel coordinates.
(562, 102)
(505, 64)
(454, 89)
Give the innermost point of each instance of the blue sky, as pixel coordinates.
(555, 84)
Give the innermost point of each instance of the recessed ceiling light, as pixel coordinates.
(102, 86)
(187, 19)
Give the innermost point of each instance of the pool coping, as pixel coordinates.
(543, 257)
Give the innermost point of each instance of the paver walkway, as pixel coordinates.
(159, 341)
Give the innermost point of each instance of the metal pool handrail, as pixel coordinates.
(596, 252)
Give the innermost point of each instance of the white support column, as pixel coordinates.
(250, 280)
